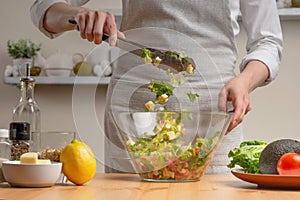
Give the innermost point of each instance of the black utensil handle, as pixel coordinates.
(104, 36)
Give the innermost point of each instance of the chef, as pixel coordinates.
(204, 30)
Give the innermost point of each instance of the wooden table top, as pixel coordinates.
(129, 186)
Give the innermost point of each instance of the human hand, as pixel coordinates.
(235, 91)
(238, 91)
(93, 24)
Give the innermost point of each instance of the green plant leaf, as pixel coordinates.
(23, 48)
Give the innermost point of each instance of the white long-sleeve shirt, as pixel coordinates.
(259, 17)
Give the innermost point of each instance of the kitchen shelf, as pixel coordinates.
(289, 13)
(80, 80)
(286, 14)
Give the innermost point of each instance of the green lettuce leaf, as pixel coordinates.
(247, 156)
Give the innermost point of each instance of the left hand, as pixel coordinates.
(235, 91)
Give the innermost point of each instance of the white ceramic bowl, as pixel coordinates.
(31, 175)
(61, 72)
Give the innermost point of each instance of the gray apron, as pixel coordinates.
(200, 28)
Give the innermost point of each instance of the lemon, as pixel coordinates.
(79, 163)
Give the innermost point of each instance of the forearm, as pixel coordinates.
(261, 21)
(255, 73)
(57, 16)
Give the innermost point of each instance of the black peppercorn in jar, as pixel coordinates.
(19, 135)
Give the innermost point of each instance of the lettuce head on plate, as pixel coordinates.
(247, 156)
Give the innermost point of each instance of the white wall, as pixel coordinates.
(275, 111)
(276, 108)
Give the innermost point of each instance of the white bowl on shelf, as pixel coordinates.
(31, 175)
(60, 72)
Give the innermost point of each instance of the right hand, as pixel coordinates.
(92, 24)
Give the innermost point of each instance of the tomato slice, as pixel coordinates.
(289, 164)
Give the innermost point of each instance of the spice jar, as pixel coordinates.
(19, 135)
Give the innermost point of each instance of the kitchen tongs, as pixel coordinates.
(168, 60)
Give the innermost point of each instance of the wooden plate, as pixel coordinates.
(268, 180)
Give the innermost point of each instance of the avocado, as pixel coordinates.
(273, 151)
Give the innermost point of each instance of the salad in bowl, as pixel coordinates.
(172, 146)
(166, 144)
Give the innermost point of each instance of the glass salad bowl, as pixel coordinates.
(171, 146)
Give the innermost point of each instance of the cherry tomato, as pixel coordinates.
(289, 164)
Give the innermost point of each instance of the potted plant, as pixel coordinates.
(22, 51)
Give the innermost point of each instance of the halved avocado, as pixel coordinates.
(273, 151)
